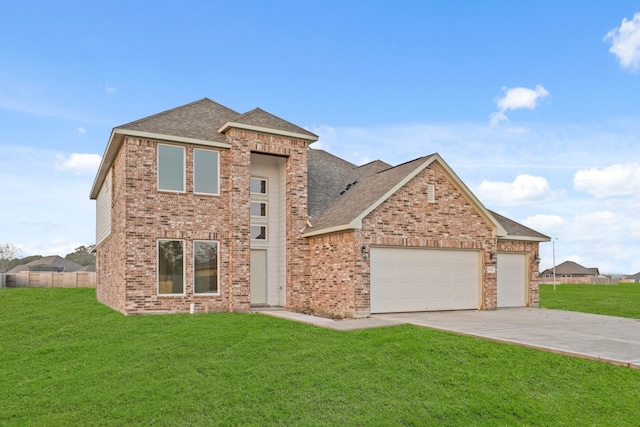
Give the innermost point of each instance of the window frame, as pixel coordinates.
(217, 243)
(266, 186)
(158, 241)
(184, 168)
(266, 209)
(217, 193)
(266, 232)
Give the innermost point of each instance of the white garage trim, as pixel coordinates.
(420, 279)
(512, 280)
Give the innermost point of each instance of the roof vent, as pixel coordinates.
(431, 193)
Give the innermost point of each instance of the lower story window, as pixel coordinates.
(205, 266)
(170, 266)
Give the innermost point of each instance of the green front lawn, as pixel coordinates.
(621, 300)
(66, 360)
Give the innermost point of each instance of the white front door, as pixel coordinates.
(512, 280)
(258, 276)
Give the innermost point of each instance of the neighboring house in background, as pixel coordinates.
(201, 207)
(633, 278)
(52, 263)
(570, 269)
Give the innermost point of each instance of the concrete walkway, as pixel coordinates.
(605, 338)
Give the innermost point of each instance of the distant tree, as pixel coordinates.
(8, 252)
(82, 255)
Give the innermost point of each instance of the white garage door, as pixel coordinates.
(512, 280)
(407, 279)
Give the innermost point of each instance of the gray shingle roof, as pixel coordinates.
(260, 118)
(48, 263)
(515, 229)
(198, 120)
(570, 268)
(365, 193)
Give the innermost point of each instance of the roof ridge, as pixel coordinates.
(172, 110)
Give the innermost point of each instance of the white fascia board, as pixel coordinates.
(172, 138)
(320, 231)
(113, 146)
(525, 238)
(225, 127)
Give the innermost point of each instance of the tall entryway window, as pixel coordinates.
(268, 222)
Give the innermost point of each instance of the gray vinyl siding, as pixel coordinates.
(103, 210)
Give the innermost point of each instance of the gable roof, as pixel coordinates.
(261, 121)
(349, 209)
(198, 120)
(568, 268)
(201, 122)
(48, 263)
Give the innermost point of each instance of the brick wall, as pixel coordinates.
(336, 268)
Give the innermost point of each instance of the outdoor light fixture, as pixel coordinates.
(365, 252)
(490, 255)
(536, 258)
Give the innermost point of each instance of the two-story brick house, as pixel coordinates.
(203, 208)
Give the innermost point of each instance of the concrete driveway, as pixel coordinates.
(606, 338)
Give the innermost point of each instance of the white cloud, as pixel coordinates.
(625, 42)
(550, 225)
(516, 98)
(615, 180)
(110, 89)
(78, 163)
(81, 131)
(525, 189)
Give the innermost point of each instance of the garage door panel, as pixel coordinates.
(408, 279)
(512, 280)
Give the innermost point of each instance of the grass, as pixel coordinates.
(67, 360)
(621, 300)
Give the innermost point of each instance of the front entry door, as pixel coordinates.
(258, 276)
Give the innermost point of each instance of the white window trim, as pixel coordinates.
(184, 169)
(193, 256)
(158, 268)
(266, 232)
(266, 206)
(217, 193)
(266, 186)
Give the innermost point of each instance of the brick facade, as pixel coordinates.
(325, 274)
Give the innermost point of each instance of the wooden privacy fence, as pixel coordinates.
(48, 279)
(590, 280)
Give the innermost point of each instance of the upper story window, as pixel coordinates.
(170, 168)
(205, 171)
(258, 186)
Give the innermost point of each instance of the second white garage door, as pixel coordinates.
(512, 280)
(408, 279)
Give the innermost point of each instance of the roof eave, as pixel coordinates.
(306, 137)
(336, 229)
(525, 238)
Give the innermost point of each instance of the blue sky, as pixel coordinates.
(533, 103)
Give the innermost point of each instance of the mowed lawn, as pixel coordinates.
(621, 300)
(66, 360)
